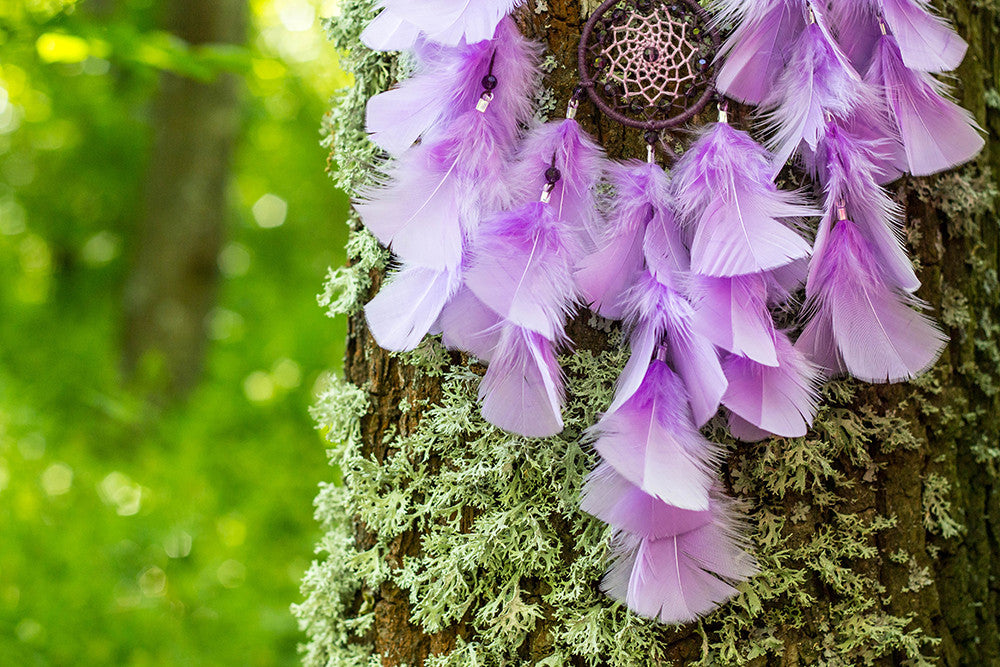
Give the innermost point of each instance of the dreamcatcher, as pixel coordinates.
(497, 231)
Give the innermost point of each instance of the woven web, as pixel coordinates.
(650, 59)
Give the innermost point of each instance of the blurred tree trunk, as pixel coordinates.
(933, 564)
(172, 284)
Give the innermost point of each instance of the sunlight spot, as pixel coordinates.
(234, 260)
(297, 16)
(57, 479)
(259, 387)
(232, 530)
(270, 211)
(118, 490)
(32, 446)
(287, 374)
(224, 324)
(100, 248)
(153, 582)
(232, 574)
(178, 544)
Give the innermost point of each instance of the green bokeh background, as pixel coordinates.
(132, 533)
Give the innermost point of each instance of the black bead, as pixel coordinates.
(651, 136)
(552, 175)
(490, 82)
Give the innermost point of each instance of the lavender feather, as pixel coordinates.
(927, 42)
(522, 268)
(818, 82)
(581, 163)
(447, 83)
(937, 134)
(860, 324)
(678, 579)
(617, 502)
(756, 52)
(642, 198)
(406, 308)
(733, 314)
(522, 390)
(467, 324)
(850, 173)
(438, 192)
(652, 441)
(658, 313)
(725, 192)
(448, 22)
(779, 399)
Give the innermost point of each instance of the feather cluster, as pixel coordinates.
(853, 91)
(498, 236)
(678, 550)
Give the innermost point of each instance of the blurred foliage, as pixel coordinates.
(132, 534)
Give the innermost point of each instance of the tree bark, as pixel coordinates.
(171, 287)
(877, 534)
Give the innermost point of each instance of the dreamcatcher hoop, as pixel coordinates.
(651, 59)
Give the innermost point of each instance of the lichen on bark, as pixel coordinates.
(451, 543)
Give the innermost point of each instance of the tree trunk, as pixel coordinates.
(454, 544)
(173, 280)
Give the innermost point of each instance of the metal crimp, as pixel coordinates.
(484, 102)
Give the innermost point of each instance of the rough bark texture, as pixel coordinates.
(172, 284)
(878, 533)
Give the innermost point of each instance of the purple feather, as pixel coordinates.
(522, 268)
(467, 324)
(733, 314)
(658, 313)
(818, 82)
(448, 83)
(438, 192)
(778, 399)
(406, 308)
(861, 324)
(678, 579)
(652, 441)
(724, 190)
(849, 172)
(855, 23)
(937, 134)
(642, 198)
(756, 52)
(522, 391)
(617, 502)
(448, 22)
(927, 42)
(581, 163)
